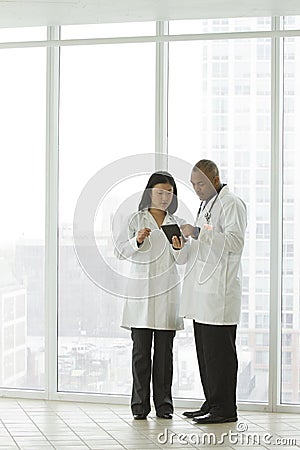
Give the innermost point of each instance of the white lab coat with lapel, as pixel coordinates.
(212, 284)
(153, 288)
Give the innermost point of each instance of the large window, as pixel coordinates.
(112, 99)
(220, 25)
(290, 362)
(22, 236)
(106, 30)
(23, 34)
(220, 108)
(107, 112)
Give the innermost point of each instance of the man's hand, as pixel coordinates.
(189, 230)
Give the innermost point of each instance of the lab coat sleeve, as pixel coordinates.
(231, 238)
(180, 256)
(126, 244)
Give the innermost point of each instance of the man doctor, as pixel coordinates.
(212, 291)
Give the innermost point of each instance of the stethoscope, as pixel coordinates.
(207, 214)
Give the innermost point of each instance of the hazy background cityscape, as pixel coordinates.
(220, 108)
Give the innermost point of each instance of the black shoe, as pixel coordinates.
(140, 416)
(197, 413)
(212, 418)
(164, 416)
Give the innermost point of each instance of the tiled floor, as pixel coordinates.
(34, 424)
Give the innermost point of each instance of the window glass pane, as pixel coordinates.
(22, 239)
(291, 22)
(23, 34)
(107, 112)
(224, 115)
(104, 30)
(290, 383)
(220, 26)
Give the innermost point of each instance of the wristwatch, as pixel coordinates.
(196, 232)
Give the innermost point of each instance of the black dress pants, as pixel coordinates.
(218, 365)
(162, 372)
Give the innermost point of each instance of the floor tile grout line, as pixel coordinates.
(194, 425)
(28, 415)
(141, 433)
(63, 420)
(93, 420)
(265, 431)
(9, 433)
(275, 433)
(121, 420)
(150, 439)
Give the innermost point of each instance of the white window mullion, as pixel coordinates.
(161, 98)
(276, 217)
(51, 215)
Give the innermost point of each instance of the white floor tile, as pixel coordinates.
(40, 425)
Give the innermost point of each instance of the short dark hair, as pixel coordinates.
(160, 177)
(208, 167)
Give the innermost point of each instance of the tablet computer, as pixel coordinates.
(171, 230)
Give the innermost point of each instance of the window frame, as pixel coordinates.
(162, 37)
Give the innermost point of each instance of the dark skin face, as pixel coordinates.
(205, 185)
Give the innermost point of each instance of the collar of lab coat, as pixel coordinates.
(224, 191)
(168, 217)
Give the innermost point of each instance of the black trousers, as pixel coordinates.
(218, 365)
(162, 372)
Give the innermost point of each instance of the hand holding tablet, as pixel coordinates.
(172, 230)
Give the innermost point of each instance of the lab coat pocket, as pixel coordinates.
(210, 278)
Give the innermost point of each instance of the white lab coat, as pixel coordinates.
(212, 284)
(153, 288)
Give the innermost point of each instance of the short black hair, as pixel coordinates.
(160, 177)
(208, 167)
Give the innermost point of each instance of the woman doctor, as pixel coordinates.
(153, 294)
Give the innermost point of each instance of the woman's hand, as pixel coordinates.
(142, 234)
(177, 242)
